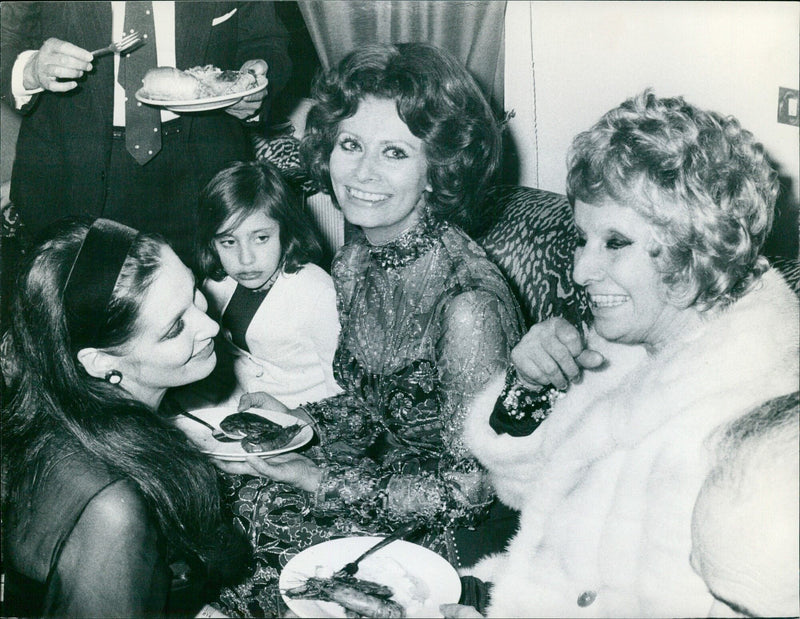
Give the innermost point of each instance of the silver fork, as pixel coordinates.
(123, 45)
(218, 433)
(405, 531)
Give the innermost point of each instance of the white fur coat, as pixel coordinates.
(606, 485)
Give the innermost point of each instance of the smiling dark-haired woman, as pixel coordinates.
(102, 496)
(406, 144)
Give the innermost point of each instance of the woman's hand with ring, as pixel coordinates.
(55, 62)
(553, 353)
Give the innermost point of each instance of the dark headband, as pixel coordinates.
(92, 279)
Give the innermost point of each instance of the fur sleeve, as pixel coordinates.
(505, 457)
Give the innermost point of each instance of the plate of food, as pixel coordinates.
(400, 580)
(263, 432)
(197, 89)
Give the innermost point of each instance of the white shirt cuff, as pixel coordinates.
(21, 95)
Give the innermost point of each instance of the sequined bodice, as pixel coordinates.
(406, 351)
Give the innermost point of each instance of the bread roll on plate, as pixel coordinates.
(171, 84)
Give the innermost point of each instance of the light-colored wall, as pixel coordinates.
(583, 58)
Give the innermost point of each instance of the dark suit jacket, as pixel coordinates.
(64, 142)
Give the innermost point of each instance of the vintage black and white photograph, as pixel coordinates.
(400, 308)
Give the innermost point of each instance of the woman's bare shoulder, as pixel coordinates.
(118, 507)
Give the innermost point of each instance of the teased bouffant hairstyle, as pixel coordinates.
(440, 102)
(57, 407)
(244, 188)
(701, 180)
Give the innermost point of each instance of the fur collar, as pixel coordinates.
(741, 356)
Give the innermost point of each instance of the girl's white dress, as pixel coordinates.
(291, 339)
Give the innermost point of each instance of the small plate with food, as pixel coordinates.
(197, 89)
(263, 432)
(399, 580)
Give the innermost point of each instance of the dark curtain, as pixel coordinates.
(471, 31)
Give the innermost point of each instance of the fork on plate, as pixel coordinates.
(405, 531)
(218, 433)
(126, 43)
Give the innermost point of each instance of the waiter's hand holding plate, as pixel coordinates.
(201, 89)
(247, 107)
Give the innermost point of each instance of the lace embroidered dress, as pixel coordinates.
(426, 320)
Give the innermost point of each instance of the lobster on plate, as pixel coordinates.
(359, 598)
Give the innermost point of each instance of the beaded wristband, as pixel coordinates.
(519, 410)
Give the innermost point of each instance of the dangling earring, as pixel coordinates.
(114, 377)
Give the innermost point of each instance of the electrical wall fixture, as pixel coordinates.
(787, 106)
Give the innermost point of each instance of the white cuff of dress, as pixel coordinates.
(21, 95)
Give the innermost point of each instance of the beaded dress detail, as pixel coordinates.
(426, 321)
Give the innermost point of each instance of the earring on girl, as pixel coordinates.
(114, 377)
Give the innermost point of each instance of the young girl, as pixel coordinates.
(260, 257)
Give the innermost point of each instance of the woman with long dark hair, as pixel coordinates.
(107, 507)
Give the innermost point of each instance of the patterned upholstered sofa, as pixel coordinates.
(532, 240)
